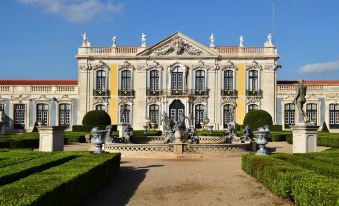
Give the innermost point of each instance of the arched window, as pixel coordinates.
(101, 80)
(228, 80)
(252, 107)
(42, 113)
(199, 115)
(154, 114)
(100, 107)
(200, 80)
(228, 114)
(289, 115)
(154, 80)
(311, 111)
(126, 80)
(64, 114)
(334, 116)
(177, 79)
(253, 80)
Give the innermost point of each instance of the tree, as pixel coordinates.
(257, 118)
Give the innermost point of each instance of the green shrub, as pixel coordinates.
(35, 128)
(76, 136)
(96, 117)
(278, 137)
(139, 133)
(68, 184)
(324, 128)
(257, 118)
(302, 186)
(207, 133)
(14, 172)
(323, 139)
(275, 128)
(289, 139)
(88, 128)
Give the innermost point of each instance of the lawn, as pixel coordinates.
(59, 178)
(306, 179)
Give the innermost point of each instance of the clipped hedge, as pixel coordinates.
(304, 187)
(88, 128)
(323, 139)
(75, 136)
(139, 133)
(206, 133)
(278, 137)
(96, 117)
(275, 128)
(68, 184)
(14, 172)
(258, 118)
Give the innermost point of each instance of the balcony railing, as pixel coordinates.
(100, 92)
(232, 93)
(127, 93)
(179, 92)
(154, 92)
(254, 92)
(200, 92)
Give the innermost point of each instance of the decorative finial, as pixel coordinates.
(143, 40)
(212, 40)
(241, 44)
(85, 42)
(114, 40)
(269, 43)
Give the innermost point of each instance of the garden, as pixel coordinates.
(58, 178)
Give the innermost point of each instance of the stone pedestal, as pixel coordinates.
(51, 138)
(304, 137)
(122, 127)
(178, 148)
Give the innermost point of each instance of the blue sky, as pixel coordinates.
(39, 38)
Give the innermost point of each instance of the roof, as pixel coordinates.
(38, 82)
(323, 82)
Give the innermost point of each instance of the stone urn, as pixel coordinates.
(261, 136)
(98, 139)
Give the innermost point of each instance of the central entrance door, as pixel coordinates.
(176, 109)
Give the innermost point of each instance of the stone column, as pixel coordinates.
(304, 137)
(51, 138)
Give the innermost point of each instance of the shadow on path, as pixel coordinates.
(121, 187)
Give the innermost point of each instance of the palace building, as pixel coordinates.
(176, 75)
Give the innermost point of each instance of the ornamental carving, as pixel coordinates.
(20, 97)
(155, 65)
(179, 47)
(153, 100)
(200, 100)
(253, 65)
(229, 100)
(271, 67)
(99, 100)
(251, 100)
(229, 65)
(101, 65)
(126, 65)
(125, 100)
(202, 65)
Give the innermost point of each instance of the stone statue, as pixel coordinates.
(85, 42)
(109, 138)
(114, 41)
(123, 111)
(241, 44)
(269, 40)
(248, 134)
(231, 111)
(129, 133)
(300, 99)
(212, 40)
(165, 122)
(143, 40)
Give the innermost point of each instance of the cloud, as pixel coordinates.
(320, 67)
(77, 10)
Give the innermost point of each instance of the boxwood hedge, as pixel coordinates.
(68, 184)
(304, 187)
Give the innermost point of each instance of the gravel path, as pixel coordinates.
(213, 180)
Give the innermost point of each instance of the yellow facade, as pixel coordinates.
(113, 102)
(241, 75)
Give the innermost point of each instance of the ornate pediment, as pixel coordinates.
(178, 45)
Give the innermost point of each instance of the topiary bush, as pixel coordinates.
(35, 128)
(258, 118)
(96, 117)
(325, 129)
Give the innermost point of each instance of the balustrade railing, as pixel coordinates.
(258, 92)
(200, 92)
(128, 93)
(150, 92)
(232, 93)
(100, 92)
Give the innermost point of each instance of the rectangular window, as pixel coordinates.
(334, 116)
(64, 114)
(19, 116)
